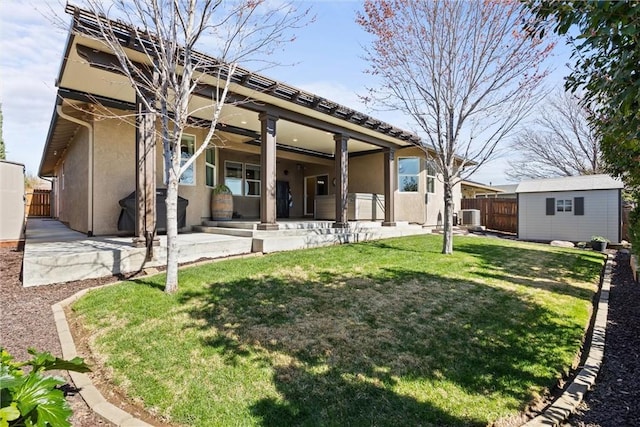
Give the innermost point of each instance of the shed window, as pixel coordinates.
(564, 205)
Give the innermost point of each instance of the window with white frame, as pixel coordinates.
(210, 167)
(408, 174)
(431, 176)
(242, 179)
(252, 180)
(187, 148)
(564, 205)
(233, 177)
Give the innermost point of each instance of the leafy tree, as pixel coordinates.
(168, 34)
(559, 142)
(605, 36)
(462, 71)
(3, 154)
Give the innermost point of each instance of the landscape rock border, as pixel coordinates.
(95, 400)
(560, 410)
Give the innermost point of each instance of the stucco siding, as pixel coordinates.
(114, 175)
(114, 172)
(366, 174)
(601, 216)
(73, 186)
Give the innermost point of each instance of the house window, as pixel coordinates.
(210, 167)
(564, 205)
(408, 173)
(233, 177)
(187, 148)
(252, 180)
(431, 176)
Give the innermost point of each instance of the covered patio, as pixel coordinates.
(278, 134)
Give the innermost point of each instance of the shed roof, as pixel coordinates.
(570, 183)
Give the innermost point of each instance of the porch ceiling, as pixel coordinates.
(61, 132)
(307, 122)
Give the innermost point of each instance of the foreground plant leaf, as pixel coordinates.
(39, 393)
(46, 361)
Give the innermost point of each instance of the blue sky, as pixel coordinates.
(325, 59)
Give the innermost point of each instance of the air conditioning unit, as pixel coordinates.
(470, 217)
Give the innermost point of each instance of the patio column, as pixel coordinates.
(389, 187)
(342, 179)
(145, 233)
(268, 172)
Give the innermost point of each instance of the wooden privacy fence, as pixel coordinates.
(495, 214)
(39, 203)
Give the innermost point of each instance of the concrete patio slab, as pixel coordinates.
(54, 254)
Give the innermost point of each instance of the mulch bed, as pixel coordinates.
(26, 320)
(615, 399)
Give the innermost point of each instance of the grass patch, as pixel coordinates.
(381, 333)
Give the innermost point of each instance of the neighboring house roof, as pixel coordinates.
(507, 188)
(570, 183)
(480, 186)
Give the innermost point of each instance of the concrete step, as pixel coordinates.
(238, 232)
(283, 242)
(244, 225)
(189, 251)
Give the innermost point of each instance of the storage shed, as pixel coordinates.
(570, 208)
(12, 218)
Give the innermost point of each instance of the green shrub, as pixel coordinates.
(634, 228)
(33, 399)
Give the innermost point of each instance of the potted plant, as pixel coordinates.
(221, 203)
(599, 243)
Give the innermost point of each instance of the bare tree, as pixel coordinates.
(461, 70)
(560, 142)
(168, 34)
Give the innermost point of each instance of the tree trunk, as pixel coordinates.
(447, 240)
(171, 284)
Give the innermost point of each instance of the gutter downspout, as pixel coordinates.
(89, 127)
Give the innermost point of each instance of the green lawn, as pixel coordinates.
(382, 333)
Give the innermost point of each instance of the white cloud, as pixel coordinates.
(31, 47)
